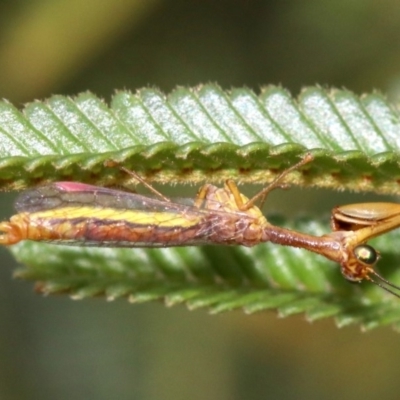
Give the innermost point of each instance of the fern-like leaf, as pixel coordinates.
(207, 134)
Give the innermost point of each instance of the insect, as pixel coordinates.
(78, 214)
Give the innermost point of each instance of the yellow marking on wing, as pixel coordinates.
(159, 218)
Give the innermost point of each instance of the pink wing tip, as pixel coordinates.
(73, 186)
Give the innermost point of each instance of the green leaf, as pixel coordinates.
(205, 134)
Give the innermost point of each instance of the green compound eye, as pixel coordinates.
(366, 254)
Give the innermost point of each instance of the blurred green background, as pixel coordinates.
(55, 348)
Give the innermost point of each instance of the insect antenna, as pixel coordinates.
(382, 282)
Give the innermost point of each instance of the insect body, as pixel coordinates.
(79, 214)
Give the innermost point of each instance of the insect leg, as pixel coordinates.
(276, 183)
(202, 195)
(136, 176)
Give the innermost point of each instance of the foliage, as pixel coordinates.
(198, 135)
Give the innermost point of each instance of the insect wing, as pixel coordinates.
(79, 214)
(62, 194)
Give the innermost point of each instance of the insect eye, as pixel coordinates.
(366, 254)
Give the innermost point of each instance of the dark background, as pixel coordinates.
(55, 348)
